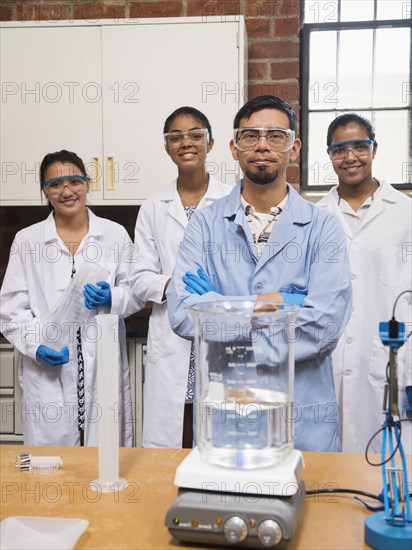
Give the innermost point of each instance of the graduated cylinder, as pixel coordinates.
(108, 360)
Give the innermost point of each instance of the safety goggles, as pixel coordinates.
(56, 185)
(359, 147)
(278, 139)
(175, 139)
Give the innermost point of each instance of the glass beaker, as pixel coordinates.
(244, 381)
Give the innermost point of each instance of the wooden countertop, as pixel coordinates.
(134, 518)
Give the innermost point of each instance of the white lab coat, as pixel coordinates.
(38, 272)
(160, 226)
(380, 257)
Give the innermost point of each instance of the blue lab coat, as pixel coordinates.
(306, 252)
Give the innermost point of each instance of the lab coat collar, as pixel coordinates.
(331, 200)
(95, 225)
(296, 212)
(388, 193)
(50, 231)
(169, 193)
(376, 207)
(385, 193)
(213, 192)
(297, 209)
(233, 206)
(176, 209)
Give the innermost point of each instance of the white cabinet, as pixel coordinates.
(46, 82)
(104, 91)
(11, 429)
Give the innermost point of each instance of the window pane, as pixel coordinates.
(322, 70)
(320, 171)
(391, 86)
(321, 11)
(392, 160)
(359, 70)
(355, 69)
(388, 9)
(358, 10)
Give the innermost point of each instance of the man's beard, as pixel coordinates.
(262, 177)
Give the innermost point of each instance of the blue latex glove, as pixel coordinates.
(52, 357)
(295, 299)
(198, 284)
(97, 297)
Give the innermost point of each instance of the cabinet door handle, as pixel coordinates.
(110, 174)
(96, 174)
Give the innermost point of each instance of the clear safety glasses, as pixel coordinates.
(175, 139)
(56, 185)
(278, 139)
(359, 147)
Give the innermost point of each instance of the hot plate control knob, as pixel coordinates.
(269, 533)
(235, 529)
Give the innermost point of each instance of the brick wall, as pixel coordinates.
(272, 27)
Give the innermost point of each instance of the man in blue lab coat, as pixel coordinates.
(262, 239)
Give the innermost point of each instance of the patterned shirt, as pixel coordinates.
(260, 224)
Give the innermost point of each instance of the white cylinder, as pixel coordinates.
(108, 361)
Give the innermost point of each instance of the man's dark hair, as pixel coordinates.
(267, 102)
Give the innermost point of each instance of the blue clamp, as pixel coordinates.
(392, 333)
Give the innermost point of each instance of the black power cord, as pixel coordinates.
(352, 491)
(394, 328)
(393, 333)
(395, 304)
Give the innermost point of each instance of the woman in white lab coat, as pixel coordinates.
(161, 222)
(60, 405)
(377, 221)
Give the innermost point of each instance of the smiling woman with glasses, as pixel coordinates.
(161, 223)
(377, 221)
(54, 369)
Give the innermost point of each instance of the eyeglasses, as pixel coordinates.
(56, 185)
(359, 147)
(278, 139)
(175, 139)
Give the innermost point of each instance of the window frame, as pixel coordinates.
(305, 34)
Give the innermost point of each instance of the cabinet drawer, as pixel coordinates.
(6, 415)
(7, 368)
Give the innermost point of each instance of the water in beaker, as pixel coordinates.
(244, 382)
